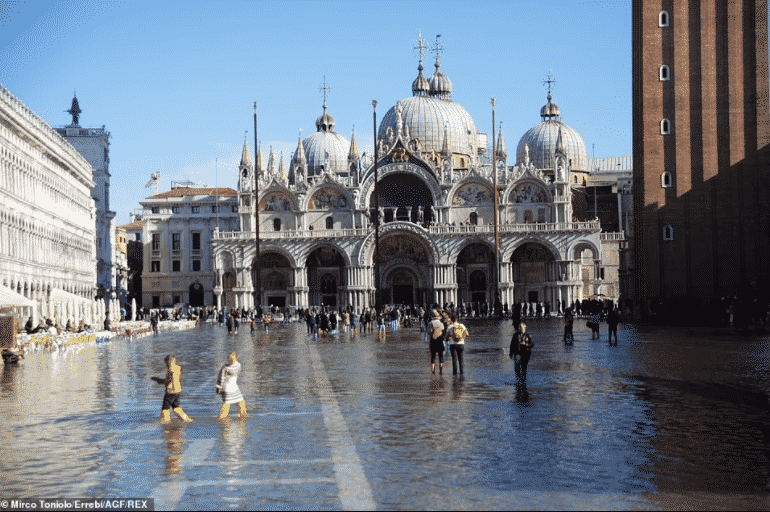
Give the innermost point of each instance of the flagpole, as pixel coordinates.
(257, 266)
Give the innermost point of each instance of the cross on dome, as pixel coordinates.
(419, 47)
(325, 88)
(437, 49)
(549, 81)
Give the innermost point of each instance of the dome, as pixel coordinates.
(326, 140)
(428, 116)
(541, 140)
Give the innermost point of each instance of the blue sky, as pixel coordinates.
(174, 82)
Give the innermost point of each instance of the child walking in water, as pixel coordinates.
(173, 383)
(227, 387)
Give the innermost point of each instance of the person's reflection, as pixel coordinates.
(437, 388)
(458, 386)
(174, 449)
(233, 433)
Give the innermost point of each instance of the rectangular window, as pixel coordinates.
(156, 209)
(177, 299)
(156, 301)
(213, 209)
(196, 241)
(138, 237)
(234, 209)
(176, 266)
(176, 241)
(155, 266)
(196, 209)
(196, 264)
(174, 209)
(156, 241)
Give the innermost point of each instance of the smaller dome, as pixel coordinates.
(420, 86)
(440, 84)
(550, 109)
(325, 123)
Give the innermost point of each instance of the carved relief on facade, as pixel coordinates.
(472, 194)
(328, 199)
(403, 247)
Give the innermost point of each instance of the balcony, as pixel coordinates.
(549, 227)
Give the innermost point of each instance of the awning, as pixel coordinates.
(9, 297)
(57, 294)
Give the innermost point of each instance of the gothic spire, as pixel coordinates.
(271, 163)
(560, 149)
(445, 147)
(282, 169)
(353, 153)
(299, 155)
(245, 155)
(501, 152)
(260, 160)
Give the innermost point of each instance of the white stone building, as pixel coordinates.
(47, 215)
(177, 229)
(94, 145)
(436, 239)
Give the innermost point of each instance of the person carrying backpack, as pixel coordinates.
(436, 329)
(457, 333)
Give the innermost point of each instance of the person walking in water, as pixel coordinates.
(568, 321)
(436, 329)
(457, 334)
(521, 346)
(173, 383)
(227, 388)
(613, 319)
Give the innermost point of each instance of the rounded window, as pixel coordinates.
(665, 73)
(665, 127)
(668, 232)
(665, 180)
(663, 19)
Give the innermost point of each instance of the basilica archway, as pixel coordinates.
(197, 295)
(405, 269)
(475, 274)
(325, 274)
(404, 196)
(276, 277)
(533, 267)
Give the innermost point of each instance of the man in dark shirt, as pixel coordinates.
(521, 346)
(613, 319)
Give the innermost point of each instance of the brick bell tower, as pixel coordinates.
(701, 129)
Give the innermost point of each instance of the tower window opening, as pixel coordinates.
(663, 19)
(668, 232)
(665, 127)
(329, 223)
(474, 218)
(665, 73)
(276, 224)
(665, 180)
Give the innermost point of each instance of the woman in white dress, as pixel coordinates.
(227, 387)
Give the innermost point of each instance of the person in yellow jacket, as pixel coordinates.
(173, 383)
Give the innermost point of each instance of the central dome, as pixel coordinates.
(428, 118)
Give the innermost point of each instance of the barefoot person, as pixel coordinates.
(173, 383)
(227, 388)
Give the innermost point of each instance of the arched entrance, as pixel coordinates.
(196, 295)
(276, 278)
(404, 269)
(533, 268)
(404, 195)
(228, 296)
(475, 274)
(325, 271)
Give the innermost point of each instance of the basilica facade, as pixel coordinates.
(435, 204)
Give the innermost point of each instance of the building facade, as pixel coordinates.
(435, 203)
(177, 227)
(700, 132)
(47, 215)
(94, 145)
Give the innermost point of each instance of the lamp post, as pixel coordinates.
(376, 215)
(257, 266)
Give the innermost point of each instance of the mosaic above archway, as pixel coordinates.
(400, 246)
(528, 193)
(472, 194)
(275, 202)
(328, 199)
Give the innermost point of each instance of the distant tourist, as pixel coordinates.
(521, 346)
(457, 334)
(436, 330)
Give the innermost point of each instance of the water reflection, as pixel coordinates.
(174, 447)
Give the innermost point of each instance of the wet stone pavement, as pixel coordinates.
(669, 419)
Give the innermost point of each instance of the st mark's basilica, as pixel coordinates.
(436, 195)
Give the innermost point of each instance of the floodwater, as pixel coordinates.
(668, 419)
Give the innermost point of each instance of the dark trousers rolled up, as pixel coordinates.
(521, 369)
(457, 356)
